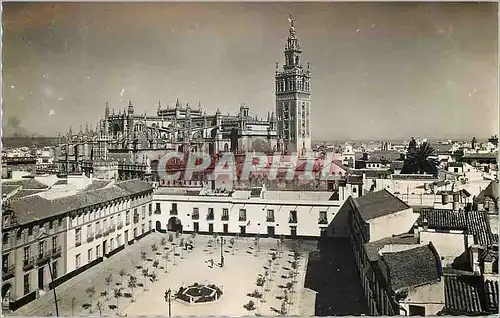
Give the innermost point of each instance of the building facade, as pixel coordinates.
(46, 242)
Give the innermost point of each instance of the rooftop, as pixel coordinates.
(413, 267)
(377, 204)
(35, 208)
(470, 295)
(476, 222)
(372, 248)
(27, 184)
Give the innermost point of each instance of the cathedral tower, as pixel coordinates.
(293, 98)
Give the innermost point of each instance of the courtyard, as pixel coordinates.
(139, 276)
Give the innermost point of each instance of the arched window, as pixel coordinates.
(5, 239)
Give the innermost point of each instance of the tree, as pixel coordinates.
(412, 144)
(145, 274)
(418, 161)
(166, 261)
(108, 281)
(144, 257)
(193, 236)
(122, 273)
(154, 248)
(100, 307)
(177, 236)
(170, 239)
(132, 283)
(182, 242)
(90, 292)
(117, 294)
(155, 266)
(231, 241)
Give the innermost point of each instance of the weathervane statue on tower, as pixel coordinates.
(292, 27)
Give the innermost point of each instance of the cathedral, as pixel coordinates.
(126, 144)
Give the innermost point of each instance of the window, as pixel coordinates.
(41, 248)
(78, 236)
(54, 270)
(142, 228)
(150, 208)
(54, 242)
(174, 207)
(119, 239)
(90, 255)
(143, 212)
(51, 225)
(19, 234)
(30, 231)
(60, 222)
(89, 231)
(127, 217)
(270, 215)
(26, 253)
(243, 215)
(150, 225)
(98, 251)
(322, 217)
(97, 226)
(5, 240)
(158, 209)
(78, 260)
(26, 284)
(293, 217)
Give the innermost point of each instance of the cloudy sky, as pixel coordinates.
(380, 70)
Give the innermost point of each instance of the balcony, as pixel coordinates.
(8, 272)
(270, 219)
(56, 252)
(195, 216)
(242, 218)
(127, 222)
(78, 242)
(29, 263)
(111, 229)
(105, 233)
(157, 211)
(136, 219)
(119, 225)
(210, 217)
(174, 212)
(98, 234)
(225, 218)
(42, 258)
(323, 221)
(292, 220)
(90, 237)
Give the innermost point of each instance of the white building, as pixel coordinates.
(250, 212)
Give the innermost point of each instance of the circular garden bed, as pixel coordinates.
(199, 293)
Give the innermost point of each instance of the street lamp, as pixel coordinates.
(168, 298)
(40, 236)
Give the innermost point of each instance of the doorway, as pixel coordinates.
(104, 247)
(293, 231)
(225, 228)
(210, 228)
(243, 229)
(196, 227)
(270, 231)
(174, 225)
(41, 271)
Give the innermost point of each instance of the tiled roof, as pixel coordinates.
(470, 295)
(24, 193)
(377, 204)
(397, 165)
(413, 177)
(475, 221)
(413, 267)
(374, 159)
(28, 184)
(134, 186)
(389, 155)
(370, 173)
(8, 188)
(372, 248)
(96, 184)
(492, 155)
(36, 208)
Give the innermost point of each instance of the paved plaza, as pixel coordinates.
(237, 278)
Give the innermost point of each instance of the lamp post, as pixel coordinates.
(222, 251)
(40, 236)
(168, 298)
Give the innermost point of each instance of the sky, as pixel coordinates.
(379, 70)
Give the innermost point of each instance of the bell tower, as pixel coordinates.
(293, 98)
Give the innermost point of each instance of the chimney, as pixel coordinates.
(425, 224)
(475, 263)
